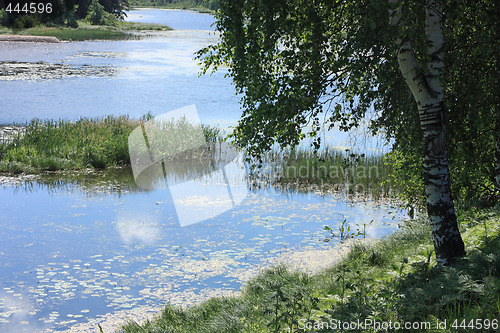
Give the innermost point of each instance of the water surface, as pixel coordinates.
(72, 251)
(75, 246)
(155, 74)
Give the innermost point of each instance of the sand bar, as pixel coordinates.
(32, 39)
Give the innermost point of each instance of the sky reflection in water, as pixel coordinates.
(67, 251)
(80, 245)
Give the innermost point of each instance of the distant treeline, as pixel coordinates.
(22, 13)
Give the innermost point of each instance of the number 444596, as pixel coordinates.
(476, 324)
(32, 8)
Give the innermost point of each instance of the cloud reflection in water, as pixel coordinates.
(135, 227)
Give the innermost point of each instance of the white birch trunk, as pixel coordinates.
(497, 150)
(428, 93)
(497, 112)
(497, 164)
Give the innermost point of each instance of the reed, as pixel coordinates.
(50, 145)
(340, 170)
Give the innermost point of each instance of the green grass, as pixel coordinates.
(70, 34)
(71, 145)
(121, 30)
(395, 279)
(342, 171)
(137, 26)
(62, 145)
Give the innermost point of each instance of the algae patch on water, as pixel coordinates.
(14, 70)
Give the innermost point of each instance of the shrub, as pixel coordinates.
(70, 18)
(25, 22)
(4, 19)
(96, 15)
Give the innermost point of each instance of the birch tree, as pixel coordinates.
(427, 90)
(295, 61)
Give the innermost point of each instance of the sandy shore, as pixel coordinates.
(310, 261)
(32, 39)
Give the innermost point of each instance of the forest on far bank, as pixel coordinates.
(97, 12)
(23, 14)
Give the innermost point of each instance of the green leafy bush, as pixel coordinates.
(4, 20)
(96, 15)
(26, 22)
(71, 19)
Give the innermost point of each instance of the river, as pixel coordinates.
(91, 247)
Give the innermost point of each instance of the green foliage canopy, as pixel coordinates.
(305, 63)
(292, 60)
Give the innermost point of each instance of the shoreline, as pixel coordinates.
(198, 10)
(29, 39)
(310, 261)
(122, 30)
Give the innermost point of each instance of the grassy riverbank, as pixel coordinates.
(71, 145)
(393, 280)
(208, 6)
(103, 142)
(85, 31)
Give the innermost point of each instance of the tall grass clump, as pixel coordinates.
(340, 170)
(51, 145)
(58, 145)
